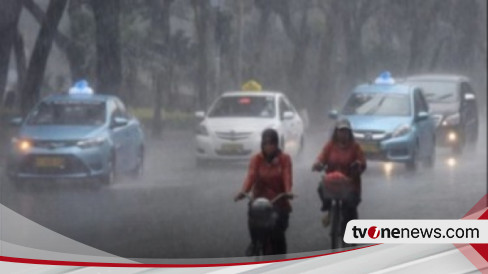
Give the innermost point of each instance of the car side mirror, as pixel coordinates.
(16, 122)
(200, 114)
(288, 115)
(469, 96)
(421, 116)
(333, 114)
(119, 122)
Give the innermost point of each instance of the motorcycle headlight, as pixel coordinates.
(202, 130)
(22, 144)
(401, 130)
(93, 142)
(451, 120)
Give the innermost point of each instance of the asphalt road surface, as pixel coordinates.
(180, 211)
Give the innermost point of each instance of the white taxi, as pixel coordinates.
(232, 127)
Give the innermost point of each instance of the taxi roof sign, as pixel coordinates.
(385, 79)
(81, 87)
(251, 85)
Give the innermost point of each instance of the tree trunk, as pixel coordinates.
(37, 65)
(109, 63)
(162, 26)
(9, 17)
(201, 18)
(20, 61)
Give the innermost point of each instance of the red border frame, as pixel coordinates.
(97, 264)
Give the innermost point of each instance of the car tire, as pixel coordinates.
(429, 162)
(109, 178)
(411, 165)
(138, 170)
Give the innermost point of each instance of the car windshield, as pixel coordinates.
(244, 106)
(75, 113)
(438, 91)
(380, 104)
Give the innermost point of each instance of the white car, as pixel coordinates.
(232, 127)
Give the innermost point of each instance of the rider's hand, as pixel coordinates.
(356, 166)
(290, 195)
(239, 196)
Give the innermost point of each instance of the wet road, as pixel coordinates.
(180, 211)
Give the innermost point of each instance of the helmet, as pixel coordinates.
(261, 213)
(343, 124)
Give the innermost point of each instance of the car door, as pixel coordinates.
(425, 126)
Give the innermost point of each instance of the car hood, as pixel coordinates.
(59, 133)
(444, 109)
(238, 124)
(380, 123)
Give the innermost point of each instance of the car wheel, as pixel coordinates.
(411, 165)
(138, 170)
(109, 178)
(430, 160)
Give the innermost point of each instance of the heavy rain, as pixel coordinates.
(169, 61)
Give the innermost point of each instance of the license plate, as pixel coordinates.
(46, 162)
(232, 147)
(370, 147)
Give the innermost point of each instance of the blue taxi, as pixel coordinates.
(391, 122)
(78, 135)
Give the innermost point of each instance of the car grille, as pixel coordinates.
(72, 165)
(233, 136)
(53, 144)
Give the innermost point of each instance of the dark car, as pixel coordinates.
(452, 102)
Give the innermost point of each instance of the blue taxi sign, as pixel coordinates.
(385, 79)
(81, 87)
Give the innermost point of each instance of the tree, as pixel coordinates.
(107, 33)
(163, 78)
(9, 17)
(37, 64)
(201, 12)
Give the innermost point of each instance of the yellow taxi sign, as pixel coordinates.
(251, 85)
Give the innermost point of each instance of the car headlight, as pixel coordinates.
(401, 130)
(202, 130)
(452, 120)
(22, 144)
(93, 142)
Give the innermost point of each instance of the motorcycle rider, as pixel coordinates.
(343, 154)
(270, 174)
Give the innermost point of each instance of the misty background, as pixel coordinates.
(168, 58)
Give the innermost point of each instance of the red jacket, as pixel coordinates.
(270, 179)
(339, 158)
